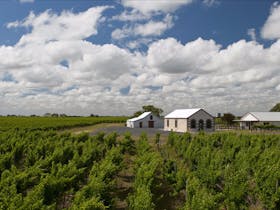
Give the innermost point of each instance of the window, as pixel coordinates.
(193, 123)
(151, 117)
(208, 123)
(167, 123)
(176, 123)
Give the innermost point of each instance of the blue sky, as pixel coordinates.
(112, 57)
(225, 22)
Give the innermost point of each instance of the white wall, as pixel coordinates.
(158, 122)
(181, 125)
(184, 125)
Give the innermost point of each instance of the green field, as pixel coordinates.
(42, 168)
(56, 123)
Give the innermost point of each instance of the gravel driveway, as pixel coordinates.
(134, 131)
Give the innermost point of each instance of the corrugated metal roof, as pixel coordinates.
(140, 117)
(263, 116)
(182, 113)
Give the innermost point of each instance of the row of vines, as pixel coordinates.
(54, 123)
(50, 170)
(46, 170)
(229, 170)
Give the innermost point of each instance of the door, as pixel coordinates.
(200, 125)
(140, 125)
(151, 124)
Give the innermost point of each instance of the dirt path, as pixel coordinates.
(124, 183)
(92, 128)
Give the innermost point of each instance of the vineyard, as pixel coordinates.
(54, 123)
(44, 169)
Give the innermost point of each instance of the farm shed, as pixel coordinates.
(183, 120)
(145, 120)
(259, 118)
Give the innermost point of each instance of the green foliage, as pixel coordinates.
(267, 127)
(100, 183)
(56, 123)
(149, 108)
(146, 166)
(229, 171)
(228, 118)
(39, 167)
(157, 140)
(276, 108)
(127, 144)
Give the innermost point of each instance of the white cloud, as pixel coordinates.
(154, 28)
(193, 57)
(252, 33)
(147, 6)
(26, 1)
(133, 15)
(49, 26)
(210, 3)
(122, 33)
(271, 28)
(150, 28)
(198, 73)
(240, 77)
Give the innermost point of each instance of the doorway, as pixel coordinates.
(151, 124)
(200, 125)
(140, 124)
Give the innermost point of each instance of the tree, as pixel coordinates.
(138, 113)
(149, 108)
(228, 118)
(276, 108)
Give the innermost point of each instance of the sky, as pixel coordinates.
(82, 57)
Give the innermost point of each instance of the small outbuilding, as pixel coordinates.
(259, 118)
(145, 120)
(189, 120)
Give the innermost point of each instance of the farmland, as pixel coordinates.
(45, 169)
(55, 123)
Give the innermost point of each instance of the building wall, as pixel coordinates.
(201, 115)
(181, 125)
(249, 125)
(158, 122)
(275, 123)
(184, 125)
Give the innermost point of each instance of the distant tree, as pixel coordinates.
(149, 108)
(276, 108)
(47, 114)
(228, 118)
(138, 113)
(94, 115)
(55, 115)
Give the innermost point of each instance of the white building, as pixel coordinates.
(183, 120)
(259, 118)
(145, 120)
